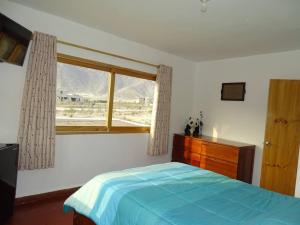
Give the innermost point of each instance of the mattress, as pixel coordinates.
(179, 194)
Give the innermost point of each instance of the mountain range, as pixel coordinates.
(94, 84)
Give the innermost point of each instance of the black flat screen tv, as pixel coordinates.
(14, 41)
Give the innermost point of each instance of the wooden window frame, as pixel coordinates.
(113, 70)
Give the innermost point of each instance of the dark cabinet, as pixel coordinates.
(8, 179)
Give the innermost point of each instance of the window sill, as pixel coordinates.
(73, 130)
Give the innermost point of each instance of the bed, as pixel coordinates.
(178, 194)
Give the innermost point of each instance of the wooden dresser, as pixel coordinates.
(232, 159)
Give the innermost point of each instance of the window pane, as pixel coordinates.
(133, 101)
(81, 96)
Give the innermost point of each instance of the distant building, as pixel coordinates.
(145, 101)
(148, 101)
(141, 100)
(75, 98)
(69, 97)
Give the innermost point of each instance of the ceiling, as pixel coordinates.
(230, 28)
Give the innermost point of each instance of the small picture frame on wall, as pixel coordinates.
(233, 91)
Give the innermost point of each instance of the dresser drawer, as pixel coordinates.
(187, 143)
(182, 141)
(179, 148)
(194, 159)
(186, 157)
(226, 153)
(219, 166)
(196, 146)
(181, 156)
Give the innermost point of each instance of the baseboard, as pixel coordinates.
(41, 198)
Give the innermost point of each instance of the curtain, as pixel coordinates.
(36, 135)
(159, 132)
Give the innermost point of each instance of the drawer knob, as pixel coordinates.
(267, 143)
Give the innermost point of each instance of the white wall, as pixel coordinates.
(80, 157)
(241, 121)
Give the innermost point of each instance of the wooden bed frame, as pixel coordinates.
(79, 219)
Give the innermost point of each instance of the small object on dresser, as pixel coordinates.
(190, 126)
(197, 128)
(198, 125)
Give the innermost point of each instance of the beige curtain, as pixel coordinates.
(159, 133)
(37, 121)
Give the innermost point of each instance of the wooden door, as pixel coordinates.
(282, 137)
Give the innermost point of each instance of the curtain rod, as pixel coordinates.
(106, 53)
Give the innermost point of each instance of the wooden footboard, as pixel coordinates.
(79, 219)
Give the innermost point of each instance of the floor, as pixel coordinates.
(48, 213)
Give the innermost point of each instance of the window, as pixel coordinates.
(96, 97)
(133, 101)
(81, 96)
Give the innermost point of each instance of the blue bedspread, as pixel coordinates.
(179, 194)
